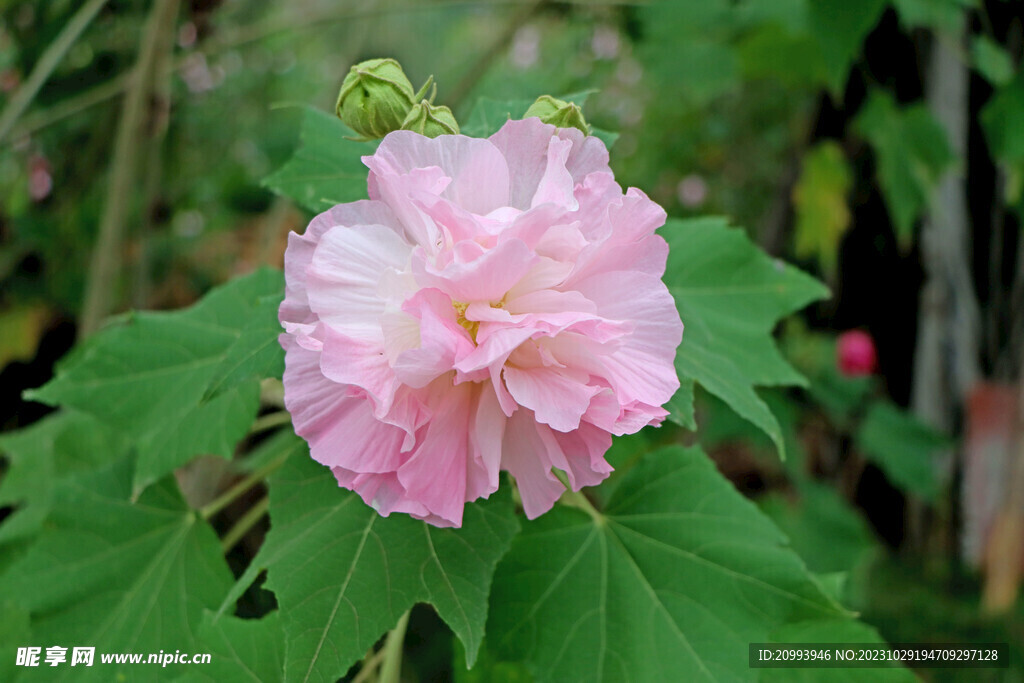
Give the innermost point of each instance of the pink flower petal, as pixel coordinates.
(555, 399)
(344, 275)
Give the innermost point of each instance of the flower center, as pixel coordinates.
(471, 326)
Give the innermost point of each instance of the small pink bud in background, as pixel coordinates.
(40, 182)
(855, 353)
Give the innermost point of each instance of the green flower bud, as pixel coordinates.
(426, 119)
(375, 98)
(558, 112)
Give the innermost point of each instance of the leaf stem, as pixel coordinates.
(226, 498)
(391, 669)
(576, 499)
(244, 524)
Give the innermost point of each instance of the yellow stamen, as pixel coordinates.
(470, 326)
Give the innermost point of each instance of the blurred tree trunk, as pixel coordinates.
(946, 358)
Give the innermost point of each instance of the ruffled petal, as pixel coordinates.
(345, 274)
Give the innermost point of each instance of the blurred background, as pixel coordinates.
(878, 145)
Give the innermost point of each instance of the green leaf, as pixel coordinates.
(793, 58)
(840, 27)
(828, 533)
(343, 574)
(669, 583)
(805, 42)
(256, 353)
(912, 152)
(940, 15)
(327, 168)
(58, 447)
(1001, 121)
(991, 60)
(680, 406)
(903, 446)
(121, 577)
(240, 649)
(819, 198)
(15, 632)
(487, 669)
(147, 376)
(815, 355)
(488, 115)
(730, 296)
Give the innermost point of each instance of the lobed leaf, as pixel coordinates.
(730, 296)
(343, 574)
(327, 168)
(669, 583)
(60, 446)
(119, 576)
(903, 446)
(240, 649)
(912, 150)
(177, 384)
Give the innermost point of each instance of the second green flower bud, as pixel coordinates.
(558, 113)
(426, 119)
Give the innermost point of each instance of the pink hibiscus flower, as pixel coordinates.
(496, 305)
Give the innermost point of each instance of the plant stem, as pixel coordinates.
(244, 524)
(47, 63)
(391, 669)
(158, 116)
(281, 417)
(105, 265)
(370, 664)
(229, 496)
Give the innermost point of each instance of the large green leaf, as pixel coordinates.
(904, 447)
(327, 168)
(805, 42)
(343, 574)
(730, 295)
(826, 531)
(241, 650)
(669, 583)
(149, 375)
(912, 151)
(59, 446)
(119, 576)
